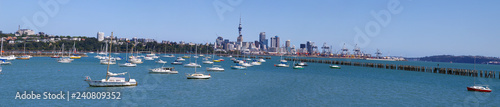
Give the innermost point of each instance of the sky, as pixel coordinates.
(416, 28)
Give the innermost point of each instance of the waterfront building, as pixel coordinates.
(100, 36)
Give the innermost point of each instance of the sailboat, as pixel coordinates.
(282, 62)
(477, 87)
(111, 81)
(127, 64)
(24, 57)
(135, 59)
(196, 75)
(75, 56)
(64, 59)
(296, 66)
(238, 65)
(3, 58)
(55, 53)
(116, 51)
(195, 65)
(215, 67)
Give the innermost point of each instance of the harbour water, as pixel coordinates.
(263, 85)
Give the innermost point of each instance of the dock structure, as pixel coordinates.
(437, 70)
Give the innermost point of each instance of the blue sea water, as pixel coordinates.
(264, 85)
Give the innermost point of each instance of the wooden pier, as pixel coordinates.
(449, 71)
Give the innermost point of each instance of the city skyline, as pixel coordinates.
(421, 28)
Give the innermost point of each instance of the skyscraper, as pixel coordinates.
(263, 40)
(310, 47)
(219, 42)
(287, 44)
(275, 41)
(240, 38)
(100, 36)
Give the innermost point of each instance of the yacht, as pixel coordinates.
(335, 66)
(164, 70)
(192, 65)
(128, 64)
(480, 88)
(180, 59)
(108, 62)
(161, 61)
(196, 75)
(176, 63)
(64, 60)
(261, 60)
(282, 64)
(3, 62)
(111, 81)
(238, 66)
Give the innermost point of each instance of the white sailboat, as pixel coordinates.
(193, 65)
(215, 67)
(197, 75)
(3, 58)
(127, 64)
(64, 59)
(161, 61)
(111, 81)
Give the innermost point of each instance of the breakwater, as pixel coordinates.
(437, 70)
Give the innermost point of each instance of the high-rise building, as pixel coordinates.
(257, 44)
(275, 41)
(310, 46)
(240, 37)
(219, 42)
(262, 40)
(287, 44)
(100, 36)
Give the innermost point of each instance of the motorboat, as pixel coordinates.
(238, 66)
(480, 88)
(192, 65)
(168, 56)
(283, 61)
(335, 66)
(207, 62)
(3, 62)
(176, 63)
(75, 57)
(163, 70)
(64, 60)
(261, 60)
(301, 64)
(180, 59)
(256, 63)
(128, 64)
(136, 61)
(148, 58)
(161, 61)
(108, 62)
(215, 68)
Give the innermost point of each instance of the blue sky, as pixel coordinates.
(422, 28)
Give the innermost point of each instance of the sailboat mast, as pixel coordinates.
(109, 55)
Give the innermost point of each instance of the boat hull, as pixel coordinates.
(110, 84)
(474, 89)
